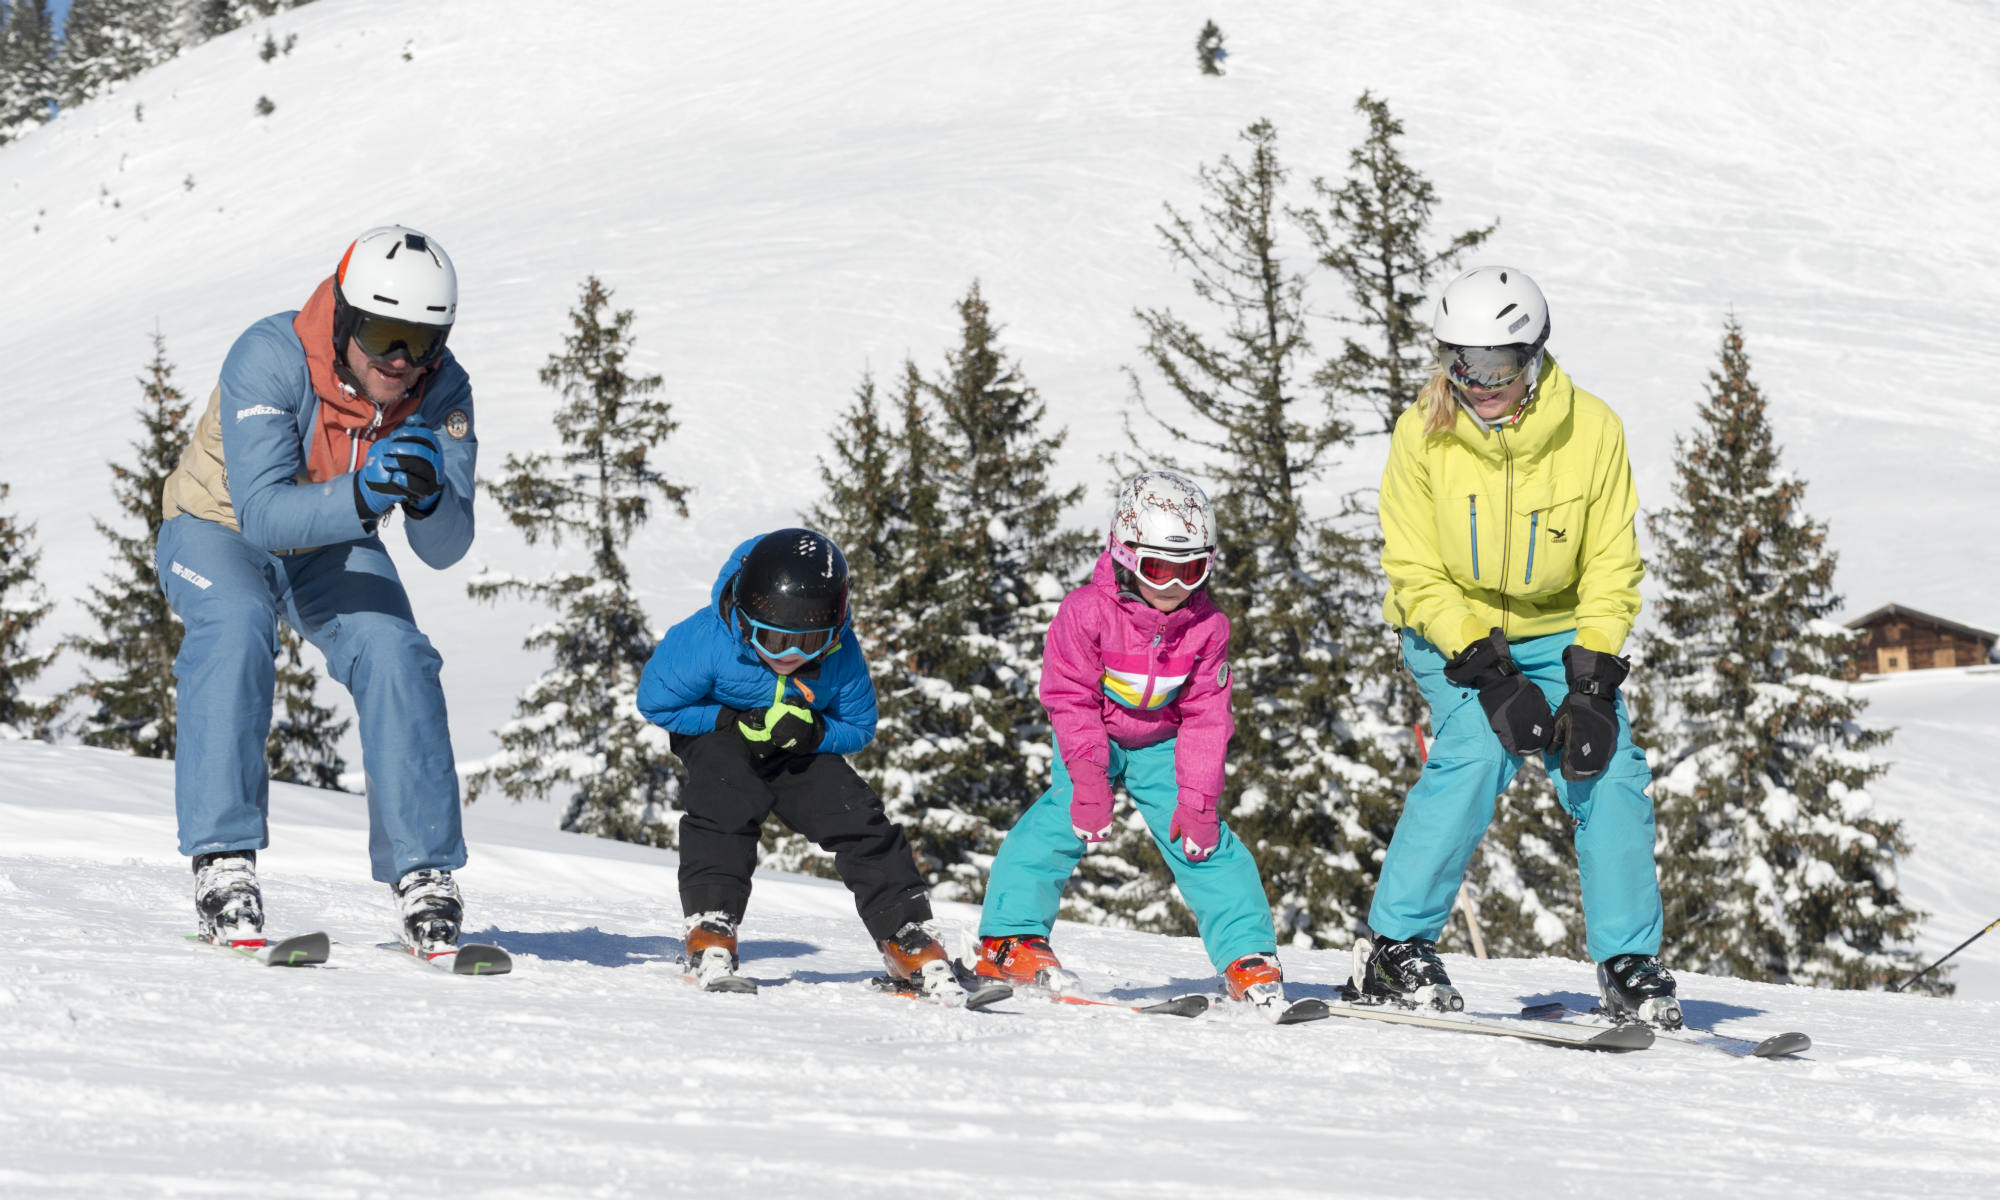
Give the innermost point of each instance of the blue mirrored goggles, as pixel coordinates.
(774, 642)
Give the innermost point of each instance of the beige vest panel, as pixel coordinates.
(199, 486)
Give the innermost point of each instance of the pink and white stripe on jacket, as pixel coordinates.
(1116, 670)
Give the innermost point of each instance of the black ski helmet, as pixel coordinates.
(792, 579)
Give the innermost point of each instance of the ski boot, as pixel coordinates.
(1023, 958)
(1256, 979)
(918, 962)
(431, 909)
(1407, 972)
(709, 957)
(1637, 988)
(227, 902)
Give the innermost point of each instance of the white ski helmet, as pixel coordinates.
(402, 277)
(1491, 324)
(1163, 512)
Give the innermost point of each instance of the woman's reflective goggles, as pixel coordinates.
(1178, 571)
(381, 337)
(774, 642)
(1488, 368)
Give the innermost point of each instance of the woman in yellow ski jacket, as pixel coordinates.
(1507, 514)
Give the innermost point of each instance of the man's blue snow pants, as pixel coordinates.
(346, 600)
(1448, 810)
(1042, 851)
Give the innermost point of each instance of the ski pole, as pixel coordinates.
(1940, 962)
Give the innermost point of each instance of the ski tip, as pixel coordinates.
(990, 993)
(1309, 1009)
(478, 959)
(301, 950)
(1192, 1005)
(1780, 1044)
(1621, 1038)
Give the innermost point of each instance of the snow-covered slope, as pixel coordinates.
(136, 1064)
(790, 193)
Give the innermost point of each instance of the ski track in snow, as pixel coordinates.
(137, 1064)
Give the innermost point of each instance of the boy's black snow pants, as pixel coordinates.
(817, 795)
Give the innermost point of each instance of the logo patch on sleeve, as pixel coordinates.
(259, 410)
(1222, 675)
(458, 424)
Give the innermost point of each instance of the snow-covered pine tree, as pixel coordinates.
(1208, 49)
(130, 706)
(1375, 235)
(1773, 864)
(108, 41)
(578, 728)
(1373, 232)
(304, 743)
(28, 77)
(1297, 586)
(22, 606)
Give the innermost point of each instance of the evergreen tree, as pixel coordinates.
(1375, 235)
(304, 743)
(130, 707)
(28, 82)
(578, 727)
(1773, 864)
(961, 528)
(1208, 49)
(108, 41)
(22, 607)
(1298, 588)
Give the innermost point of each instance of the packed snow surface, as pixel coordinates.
(138, 1064)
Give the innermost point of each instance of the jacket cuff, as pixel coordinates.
(1592, 638)
(1195, 801)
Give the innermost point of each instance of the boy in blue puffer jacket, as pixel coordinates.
(763, 691)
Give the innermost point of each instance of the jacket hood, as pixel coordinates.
(343, 412)
(1546, 421)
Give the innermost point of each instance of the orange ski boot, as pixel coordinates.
(916, 958)
(1257, 979)
(1023, 958)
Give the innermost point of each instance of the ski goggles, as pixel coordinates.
(1178, 568)
(803, 644)
(1487, 368)
(381, 337)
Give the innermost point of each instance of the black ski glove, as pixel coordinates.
(1586, 728)
(1515, 707)
(779, 732)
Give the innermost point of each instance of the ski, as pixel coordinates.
(1612, 1038)
(979, 993)
(1191, 1005)
(1298, 1011)
(1778, 1045)
(471, 958)
(299, 950)
(728, 984)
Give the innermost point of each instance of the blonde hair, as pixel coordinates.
(1439, 400)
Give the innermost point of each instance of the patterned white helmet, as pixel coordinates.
(1164, 513)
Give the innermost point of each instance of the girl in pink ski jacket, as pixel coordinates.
(1135, 675)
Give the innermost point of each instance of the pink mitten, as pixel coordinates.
(1197, 827)
(1090, 804)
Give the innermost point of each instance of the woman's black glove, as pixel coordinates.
(1514, 706)
(1587, 720)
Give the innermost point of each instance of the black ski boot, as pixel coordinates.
(431, 910)
(1408, 972)
(1637, 988)
(227, 901)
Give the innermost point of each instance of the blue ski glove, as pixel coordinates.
(407, 468)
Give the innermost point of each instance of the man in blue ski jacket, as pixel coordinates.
(325, 421)
(763, 691)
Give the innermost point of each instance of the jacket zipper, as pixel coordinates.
(1153, 664)
(1506, 527)
(1472, 506)
(1534, 520)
